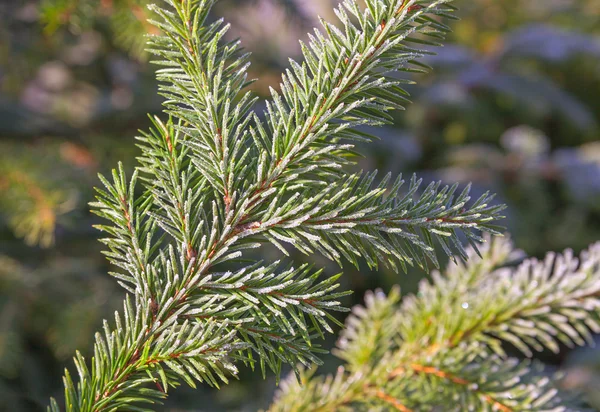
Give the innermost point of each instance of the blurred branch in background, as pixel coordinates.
(33, 193)
(513, 105)
(127, 19)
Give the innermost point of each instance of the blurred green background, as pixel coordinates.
(513, 105)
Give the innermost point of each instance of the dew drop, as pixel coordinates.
(465, 305)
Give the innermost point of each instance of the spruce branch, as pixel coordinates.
(215, 180)
(346, 80)
(355, 219)
(202, 79)
(445, 345)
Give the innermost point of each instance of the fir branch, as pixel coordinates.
(533, 307)
(431, 351)
(130, 245)
(215, 181)
(201, 80)
(347, 79)
(355, 220)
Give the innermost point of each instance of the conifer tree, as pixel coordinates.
(216, 179)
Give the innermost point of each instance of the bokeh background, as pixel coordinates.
(513, 105)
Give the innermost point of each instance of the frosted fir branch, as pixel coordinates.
(280, 299)
(358, 220)
(215, 181)
(201, 79)
(130, 245)
(175, 294)
(431, 351)
(123, 366)
(196, 334)
(535, 306)
(508, 386)
(176, 186)
(347, 80)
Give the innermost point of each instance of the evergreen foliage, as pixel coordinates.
(215, 180)
(445, 347)
(31, 198)
(128, 19)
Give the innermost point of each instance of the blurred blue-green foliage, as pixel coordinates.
(512, 105)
